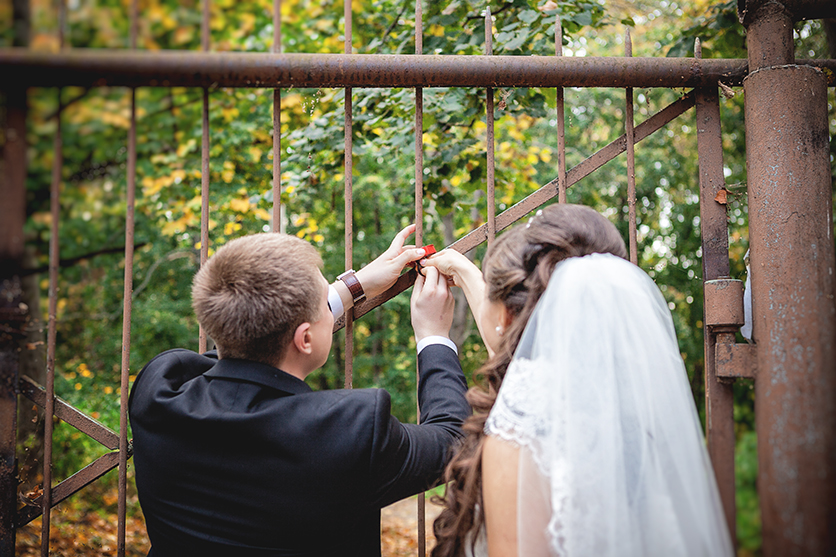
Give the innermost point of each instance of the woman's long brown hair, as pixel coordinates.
(517, 270)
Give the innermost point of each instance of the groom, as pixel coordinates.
(235, 454)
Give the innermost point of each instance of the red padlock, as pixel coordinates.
(429, 249)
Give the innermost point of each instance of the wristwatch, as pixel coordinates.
(354, 286)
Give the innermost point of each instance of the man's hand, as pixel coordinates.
(380, 274)
(432, 305)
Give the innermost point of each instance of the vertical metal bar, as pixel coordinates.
(205, 30)
(790, 195)
(12, 218)
(561, 119)
(278, 222)
(204, 175)
(54, 258)
(419, 236)
(490, 140)
(719, 397)
(62, 23)
(128, 306)
(631, 158)
(349, 208)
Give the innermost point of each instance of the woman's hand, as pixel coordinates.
(468, 277)
(454, 265)
(380, 274)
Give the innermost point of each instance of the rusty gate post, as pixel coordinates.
(792, 267)
(719, 395)
(12, 310)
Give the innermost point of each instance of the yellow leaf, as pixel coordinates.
(239, 205)
(247, 23)
(436, 30)
(318, 238)
(229, 113)
(291, 100)
(43, 218)
(231, 227)
(170, 228)
(186, 147)
(183, 35)
(262, 214)
(169, 22)
(256, 153)
(515, 133)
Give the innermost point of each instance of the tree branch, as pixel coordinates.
(69, 262)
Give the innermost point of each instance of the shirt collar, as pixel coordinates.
(261, 374)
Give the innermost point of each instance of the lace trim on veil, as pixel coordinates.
(523, 415)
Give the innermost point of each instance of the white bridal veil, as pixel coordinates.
(612, 459)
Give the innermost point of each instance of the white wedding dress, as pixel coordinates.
(612, 457)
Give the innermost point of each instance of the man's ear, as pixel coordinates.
(302, 338)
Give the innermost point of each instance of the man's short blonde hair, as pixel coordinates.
(255, 291)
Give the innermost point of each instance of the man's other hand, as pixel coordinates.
(380, 274)
(432, 305)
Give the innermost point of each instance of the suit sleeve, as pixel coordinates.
(406, 458)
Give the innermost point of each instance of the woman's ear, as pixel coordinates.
(505, 316)
(302, 338)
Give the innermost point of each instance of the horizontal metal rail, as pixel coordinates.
(34, 508)
(248, 69)
(73, 416)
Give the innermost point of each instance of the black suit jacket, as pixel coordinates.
(238, 458)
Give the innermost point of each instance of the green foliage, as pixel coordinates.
(719, 28)
(169, 172)
(748, 512)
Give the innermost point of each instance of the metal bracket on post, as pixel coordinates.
(724, 314)
(736, 360)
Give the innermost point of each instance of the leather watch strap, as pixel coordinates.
(354, 286)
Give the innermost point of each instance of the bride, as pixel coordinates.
(586, 441)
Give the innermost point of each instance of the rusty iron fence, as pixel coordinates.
(789, 198)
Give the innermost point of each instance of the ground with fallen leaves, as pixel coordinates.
(85, 525)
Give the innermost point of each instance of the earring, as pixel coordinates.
(500, 330)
